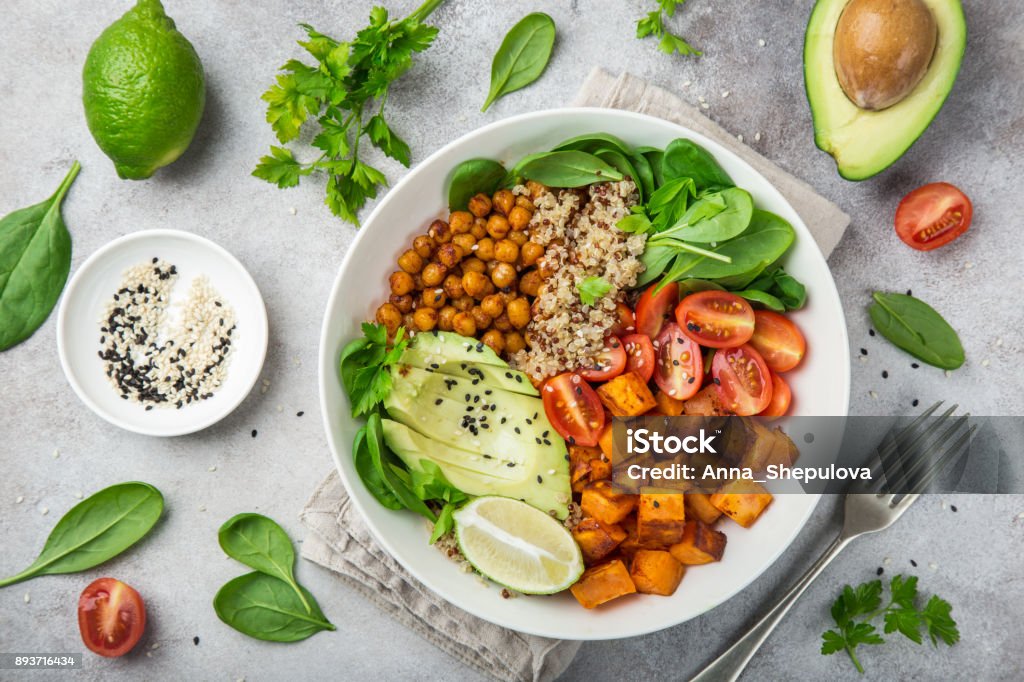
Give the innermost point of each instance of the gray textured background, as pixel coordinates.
(972, 557)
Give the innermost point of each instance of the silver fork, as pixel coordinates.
(868, 508)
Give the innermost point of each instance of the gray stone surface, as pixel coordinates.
(52, 446)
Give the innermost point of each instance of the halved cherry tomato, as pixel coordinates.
(607, 364)
(716, 319)
(781, 397)
(778, 340)
(573, 408)
(679, 369)
(639, 355)
(653, 310)
(932, 216)
(743, 380)
(111, 617)
(626, 323)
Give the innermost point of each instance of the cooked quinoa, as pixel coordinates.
(577, 229)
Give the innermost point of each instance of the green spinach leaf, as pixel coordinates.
(914, 326)
(368, 474)
(35, 258)
(97, 529)
(783, 286)
(472, 177)
(385, 464)
(716, 217)
(760, 245)
(264, 607)
(258, 542)
(762, 299)
(522, 57)
(568, 169)
(686, 159)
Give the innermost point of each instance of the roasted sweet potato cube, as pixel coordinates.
(701, 544)
(669, 406)
(601, 502)
(596, 539)
(605, 442)
(705, 404)
(655, 572)
(602, 583)
(631, 544)
(742, 501)
(699, 505)
(660, 518)
(579, 461)
(627, 395)
(600, 469)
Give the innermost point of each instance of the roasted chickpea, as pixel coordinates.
(519, 218)
(480, 205)
(479, 229)
(401, 282)
(535, 189)
(514, 342)
(497, 226)
(503, 201)
(473, 264)
(409, 321)
(403, 303)
(518, 312)
(425, 319)
(460, 222)
(530, 252)
(506, 251)
(411, 262)
(463, 324)
(433, 298)
(449, 255)
(445, 317)
(504, 275)
(482, 319)
(489, 289)
(434, 274)
(546, 266)
(453, 286)
(494, 339)
(526, 203)
(502, 323)
(464, 241)
(485, 249)
(440, 232)
(474, 283)
(389, 316)
(423, 245)
(464, 303)
(520, 237)
(493, 305)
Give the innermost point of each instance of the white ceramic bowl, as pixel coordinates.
(820, 386)
(78, 328)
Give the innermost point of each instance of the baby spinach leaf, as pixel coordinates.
(621, 163)
(264, 607)
(760, 245)
(686, 159)
(258, 542)
(669, 202)
(783, 286)
(368, 474)
(384, 462)
(589, 142)
(472, 177)
(35, 258)
(694, 286)
(763, 299)
(716, 217)
(655, 259)
(97, 529)
(569, 169)
(914, 326)
(522, 57)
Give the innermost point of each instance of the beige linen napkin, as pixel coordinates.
(340, 539)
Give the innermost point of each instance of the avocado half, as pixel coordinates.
(863, 142)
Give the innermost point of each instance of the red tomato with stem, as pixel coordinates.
(743, 381)
(607, 364)
(932, 216)
(573, 408)
(654, 309)
(111, 617)
(716, 319)
(778, 340)
(781, 398)
(639, 355)
(679, 368)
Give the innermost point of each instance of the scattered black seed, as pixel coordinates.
(254, 432)
(909, 292)
(488, 457)
(155, 261)
(885, 374)
(195, 640)
(572, 441)
(299, 413)
(717, 381)
(434, 365)
(913, 563)
(675, 362)
(529, 421)
(579, 391)
(436, 402)
(488, 392)
(517, 430)
(508, 375)
(691, 380)
(953, 507)
(538, 440)
(510, 465)
(148, 408)
(863, 351)
(915, 403)
(871, 332)
(656, 504)
(547, 442)
(503, 420)
(539, 479)
(567, 457)
(519, 378)
(914, 365)
(880, 571)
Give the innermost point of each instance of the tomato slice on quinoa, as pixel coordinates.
(111, 617)
(607, 364)
(573, 408)
(778, 340)
(742, 379)
(654, 308)
(679, 367)
(639, 355)
(716, 319)
(781, 398)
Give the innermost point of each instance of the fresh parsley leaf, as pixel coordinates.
(592, 288)
(670, 43)
(365, 367)
(650, 25)
(280, 167)
(832, 642)
(444, 522)
(653, 24)
(906, 621)
(939, 622)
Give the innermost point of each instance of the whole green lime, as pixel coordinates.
(143, 90)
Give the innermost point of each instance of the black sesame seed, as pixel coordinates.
(572, 441)
(517, 430)
(880, 571)
(567, 457)
(656, 504)
(195, 640)
(155, 261)
(519, 378)
(488, 457)
(488, 392)
(914, 365)
(913, 563)
(717, 381)
(909, 292)
(254, 432)
(885, 374)
(953, 507)
(538, 440)
(915, 403)
(863, 351)
(691, 380)
(539, 479)
(436, 402)
(510, 465)
(299, 413)
(871, 332)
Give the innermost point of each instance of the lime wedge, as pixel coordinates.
(518, 546)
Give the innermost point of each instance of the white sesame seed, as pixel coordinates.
(79, 494)
(874, 396)
(28, 597)
(1021, 516)
(292, 210)
(761, 42)
(212, 468)
(687, 84)
(705, 105)
(155, 645)
(948, 374)
(474, 247)
(886, 561)
(985, 362)
(56, 453)
(999, 341)
(740, 137)
(933, 566)
(551, 472)
(757, 137)
(44, 511)
(700, 98)
(725, 93)
(968, 265)
(19, 499)
(202, 507)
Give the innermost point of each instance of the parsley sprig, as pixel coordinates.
(856, 607)
(365, 367)
(591, 289)
(654, 25)
(345, 92)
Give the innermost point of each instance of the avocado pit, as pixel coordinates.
(882, 49)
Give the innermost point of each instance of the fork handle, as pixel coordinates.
(729, 665)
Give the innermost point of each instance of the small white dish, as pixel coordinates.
(99, 277)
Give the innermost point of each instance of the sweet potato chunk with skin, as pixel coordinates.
(597, 540)
(605, 442)
(705, 404)
(579, 461)
(742, 501)
(660, 518)
(627, 395)
(631, 544)
(655, 572)
(701, 544)
(600, 469)
(699, 505)
(601, 502)
(602, 583)
(669, 406)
